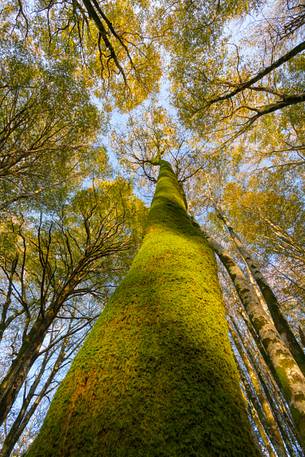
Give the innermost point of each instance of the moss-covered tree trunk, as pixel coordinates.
(156, 376)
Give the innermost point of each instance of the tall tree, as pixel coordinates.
(83, 49)
(288, 373)
(71, 256)
(156, 376)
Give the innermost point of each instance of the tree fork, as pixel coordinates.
(156, 376)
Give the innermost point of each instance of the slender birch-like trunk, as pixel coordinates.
(279, 320)
(290, 377)
(259, 400)
(156, 376)
(269, 383)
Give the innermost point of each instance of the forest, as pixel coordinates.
(152, 228)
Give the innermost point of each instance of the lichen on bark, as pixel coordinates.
(156, 376)
(277, 355)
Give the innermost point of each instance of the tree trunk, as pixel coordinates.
(18, 371)
(260, 429)
(28, 354)
(25, 413)
(259, 400)
(156, 376)
(279, 320)
(290, 378)
(270, 384)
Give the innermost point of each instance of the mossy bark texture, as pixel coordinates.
(156, 377)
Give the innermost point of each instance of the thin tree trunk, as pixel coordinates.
(273, 391)
(289, 375)
(280, 322)
(25, 415)
(252, 410)
(30, 349)
(156, 376)
(259, 400)
(22, 364)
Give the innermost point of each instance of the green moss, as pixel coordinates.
(156, 376)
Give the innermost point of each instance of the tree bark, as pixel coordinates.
(25, 413)
(279, 320)
(18, 371)
(290, 377)
(259, 400)
(30, 348)
(270, 385)
(156, 376)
